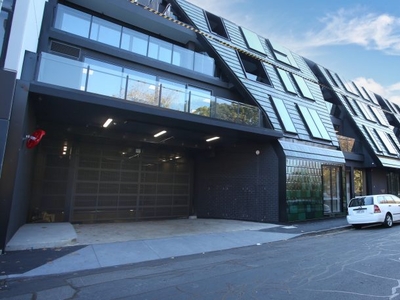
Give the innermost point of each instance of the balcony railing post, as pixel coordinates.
(87, 77)
(160, 94)
(126, 87)
(188, 102)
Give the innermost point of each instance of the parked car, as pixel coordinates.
(374, 209)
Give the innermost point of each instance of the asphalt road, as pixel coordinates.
(349, 264)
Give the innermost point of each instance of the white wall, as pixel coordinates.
(25, 30)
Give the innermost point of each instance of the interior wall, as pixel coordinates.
(238, 183)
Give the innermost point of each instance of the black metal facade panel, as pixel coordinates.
(3, 140)
(235, 34)
(237, 183)
(7, 83)
(196, 14)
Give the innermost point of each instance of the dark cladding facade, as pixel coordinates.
(204, 118)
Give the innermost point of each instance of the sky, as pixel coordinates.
(357, 39)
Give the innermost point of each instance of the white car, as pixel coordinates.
(373, 209)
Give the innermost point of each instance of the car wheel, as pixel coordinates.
(357, 226)
(388, 221)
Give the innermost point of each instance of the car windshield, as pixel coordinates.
(361, 201)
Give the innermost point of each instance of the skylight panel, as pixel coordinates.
(286, 81)
(282, 54)
(372, 139)
(366, 111)
(304, 89)
(314, 123)
(252, 40)
(378, 114)
(386, 142)
(283, 115)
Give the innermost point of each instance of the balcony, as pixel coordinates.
(130, 85)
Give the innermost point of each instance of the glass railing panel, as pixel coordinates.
(183, 57)
(204, 64)
(70, 73)
(200, 104)
(105, 32)
(134, 41)
(72, 21)
(142, 91)
(226, 110)
(160, 50)
(172, 98)
(105, 82)
(249, 115)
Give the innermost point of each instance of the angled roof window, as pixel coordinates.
(381, 118)
(304, 89)
(216, 25)
(254, 69)
(331, 77)
(283, 55)
(283, 114)
(366, 111)
(350, 105)
(371, 137)
(386, 142)
(362, 91)
(372, 96)
(286, 81)
(252, 40)
(314, 123)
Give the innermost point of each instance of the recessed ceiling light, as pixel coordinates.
(108, 122)
(160, 133)
(212, 139)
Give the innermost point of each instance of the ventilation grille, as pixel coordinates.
(64, 49)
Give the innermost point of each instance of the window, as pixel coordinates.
(284, 117)
(254, 69)
(252, 40)
(372, 96)
(304, 89)
(216, 25)
(372, 139)
(283, 55)
(72, 21)
(378, 114)
(287, 83)
(386, 142)
(366, 111)
(314, 123)
(331, 77)
(363, 93)
(350, 105)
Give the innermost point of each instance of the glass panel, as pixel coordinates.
(286, 81)
(226, 110)
(105, 79)
(71, 73)
(3, 21)
(362, 92)
(318, 122)
(365, 110)
(141, 87)
(372, 138)
(301, 83)
(134, 41)
(283, 115)
(105, 32)
(331, 77)
(183, 57)
(199, 101)
(160, 50)
(350, 105)
(379, 115)
(331, 183)
(173, 95)
(386, 142)
(282, 54)
(253, 41)
(72, 21)
(309, 122)
(204, 64)
(248, 115)
(359, 187)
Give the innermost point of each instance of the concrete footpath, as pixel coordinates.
(57, 248)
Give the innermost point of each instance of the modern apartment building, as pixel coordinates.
(159, 109)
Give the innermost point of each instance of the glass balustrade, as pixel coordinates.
(103, 31)
(118, 82)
